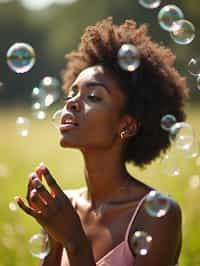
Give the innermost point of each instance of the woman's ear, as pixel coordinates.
(128, 126)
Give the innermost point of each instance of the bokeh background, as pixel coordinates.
(53, 28)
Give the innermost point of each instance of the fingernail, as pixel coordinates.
(37, 183)
(33, 175)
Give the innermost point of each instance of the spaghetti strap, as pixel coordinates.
(133, 217)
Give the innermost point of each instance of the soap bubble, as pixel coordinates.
(194, 182)
(39, 115)
(13, 206)
(170, 166)
(194, 66)
(182, 135)
(168, 15)
(22, 126)
(151, 4)
(184, 32)
(167, 121)
(56, 118)
(39, 246)
(156, 204)
(128, 57)
(46, 93)
(21, 57)
(141, 242)
(198, 82)
(193, 150)
(50, 86)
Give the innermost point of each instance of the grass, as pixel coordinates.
(19, 156)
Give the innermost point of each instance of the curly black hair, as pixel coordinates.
(152, 91)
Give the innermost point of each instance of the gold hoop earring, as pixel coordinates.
(123, 134)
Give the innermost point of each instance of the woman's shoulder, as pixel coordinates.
(165, 230)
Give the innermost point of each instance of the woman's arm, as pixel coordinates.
(166, 237)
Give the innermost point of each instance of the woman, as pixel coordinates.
(112, 116)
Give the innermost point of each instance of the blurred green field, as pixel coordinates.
(19, 156)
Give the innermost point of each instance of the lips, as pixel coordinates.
(68, 121)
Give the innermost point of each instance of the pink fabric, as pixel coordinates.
(120, 255)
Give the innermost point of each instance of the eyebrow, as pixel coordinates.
(93, 83)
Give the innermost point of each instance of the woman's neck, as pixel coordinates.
(105, 175)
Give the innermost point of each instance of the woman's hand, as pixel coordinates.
(52, 210)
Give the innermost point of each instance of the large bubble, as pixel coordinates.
(151, 4)
(156, 204)
(184, 32)
(39, 246)
(168, 15)
(21, 57)
(128, 57)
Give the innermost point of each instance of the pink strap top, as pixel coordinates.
(119, 255)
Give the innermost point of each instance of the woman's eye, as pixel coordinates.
(94, 98)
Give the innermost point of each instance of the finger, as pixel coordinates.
(39, 170)
(42, 192)
(38, 202)
(32, 176)
(26, 208)
(51, 181)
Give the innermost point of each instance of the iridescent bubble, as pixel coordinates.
(141, 242)
(168, 15)
(184, 32)
(170, 166)
(22, 126)
(156, 204)
(151, 4)
(198, 82)
(39, 246)
(194, 182)
(56, 118)
(128, 57)
(167, 121)
(182, 135)
(21, 57)
(50, 86)
(194, 66)
(39, 115)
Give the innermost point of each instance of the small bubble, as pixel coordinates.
(20, 57)
(194, 182)
(167, 121)
(39, 246)
(13, 206)
(156, 204)
(198, 82)
(151, 4)
(141, 242)
(184, 32)
(50, 86)
(168, 15)
(22, 125)
(128, 57)
(56, 118)
(194, 66)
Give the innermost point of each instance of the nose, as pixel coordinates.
(73, 105)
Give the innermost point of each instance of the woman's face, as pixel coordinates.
(92, 114)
